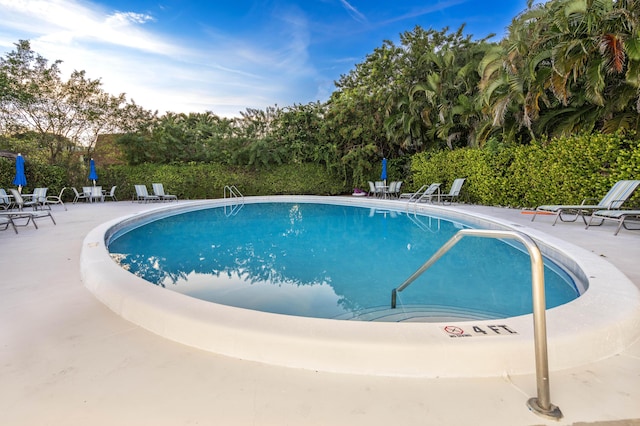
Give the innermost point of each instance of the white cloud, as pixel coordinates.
(355, 13)
(217, 72)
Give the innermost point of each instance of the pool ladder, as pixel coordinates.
(541, 405)
(230, 191)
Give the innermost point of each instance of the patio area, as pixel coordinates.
(66, 359)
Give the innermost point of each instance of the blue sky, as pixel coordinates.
(226, 56)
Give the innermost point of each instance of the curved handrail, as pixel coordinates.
(540, 405)
(232, 191)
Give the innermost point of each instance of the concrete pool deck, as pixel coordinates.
(66, 359)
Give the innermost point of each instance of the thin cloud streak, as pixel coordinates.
(353, 11)
(438, 7)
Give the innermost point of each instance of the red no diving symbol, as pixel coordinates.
(451, 329)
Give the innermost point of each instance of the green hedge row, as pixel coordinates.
(55, 177)
(187, 181)
(563, 171)
(198, 181)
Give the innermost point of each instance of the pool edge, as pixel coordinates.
(599, 324)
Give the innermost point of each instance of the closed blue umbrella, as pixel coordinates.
(21, 179)
(383, 175)
(93, 175)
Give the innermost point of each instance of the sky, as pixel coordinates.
(225, 56)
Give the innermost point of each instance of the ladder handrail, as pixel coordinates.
(233, 192)
(540, 405)
(418, 193)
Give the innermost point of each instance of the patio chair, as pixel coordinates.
(40, 197)
(86, 190)
(30, 216)
(413, 196)
(111, 194)
(391, 190)
(143, 195)
(432, 191)
(396, 191)
(6, 221)
(5, 200)
(56, 199)
(158, 189)
(79, 196)
(21, 203)
(454, 192)
(380, 188)
(617, 195)
(372, 189)
(96, 194)
(619, 216)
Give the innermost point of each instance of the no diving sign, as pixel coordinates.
(455, 331)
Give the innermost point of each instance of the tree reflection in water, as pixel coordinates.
(295, 257)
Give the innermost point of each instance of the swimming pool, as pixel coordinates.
(334, 261)
(598, 324)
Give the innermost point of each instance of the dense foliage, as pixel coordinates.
(53, 116)
(565, 170)
(565, 67)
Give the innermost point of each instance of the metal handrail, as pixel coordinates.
(232, 191)
(540, 405)
(419, 200)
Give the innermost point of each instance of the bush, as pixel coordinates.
(38, 175)
(199, 181)
(563, 171)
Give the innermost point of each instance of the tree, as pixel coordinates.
(173, 137)
(567, 66)
(64, 114)
(449, 107)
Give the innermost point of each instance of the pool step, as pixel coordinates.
(419, 313)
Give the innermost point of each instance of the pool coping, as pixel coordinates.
(599, 324)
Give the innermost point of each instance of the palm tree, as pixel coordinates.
(566, 65)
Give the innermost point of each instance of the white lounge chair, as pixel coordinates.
(6, 221)
(21, 203)
(619, 216)
(5, 200)
(143, 195)
(423, 195)
(411, 195)
(617, 195)
(30, 216)
(158, 190)
(454, 192)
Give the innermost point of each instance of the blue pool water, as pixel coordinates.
(332, 261)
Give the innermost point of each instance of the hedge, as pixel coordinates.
(564, 170)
